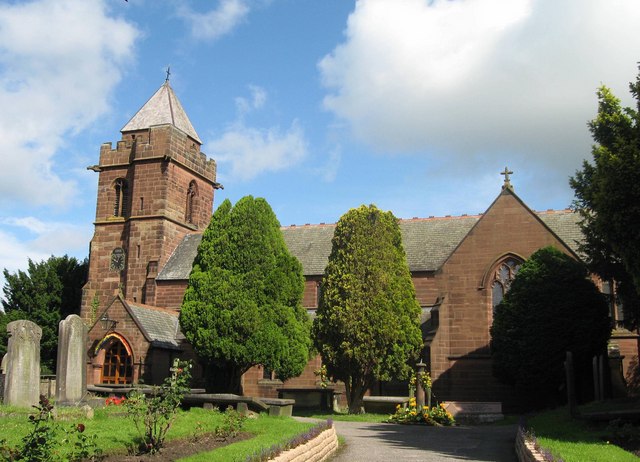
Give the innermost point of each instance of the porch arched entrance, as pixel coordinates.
(117, 361)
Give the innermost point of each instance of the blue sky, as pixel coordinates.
(318, 106)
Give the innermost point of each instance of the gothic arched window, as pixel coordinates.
(120, 204)
(502, 277)
(192, 192)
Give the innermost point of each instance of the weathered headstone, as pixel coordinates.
(22, 379)
(71, 371)
(3, 368)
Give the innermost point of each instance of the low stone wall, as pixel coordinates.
(525, 449)
(317, 449)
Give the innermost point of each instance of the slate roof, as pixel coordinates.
(179, 264)
(161, 327)
(566, 225)
(162, 108)
(428, 242)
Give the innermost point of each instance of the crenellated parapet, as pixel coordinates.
(164, 142)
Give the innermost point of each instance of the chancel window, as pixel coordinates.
(192, 192)
(120, 204)
(502, 278)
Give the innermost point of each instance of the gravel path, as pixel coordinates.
(373, 442)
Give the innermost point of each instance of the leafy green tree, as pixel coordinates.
(551, 307)
(46, 293)
(243, 304)
(608, 196)
(367, 324)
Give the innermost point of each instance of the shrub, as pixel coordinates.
(232, 424)
(154, 414)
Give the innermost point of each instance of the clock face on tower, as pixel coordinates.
(117, 259)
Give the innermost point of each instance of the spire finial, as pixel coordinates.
(168, 74)
(507, 183)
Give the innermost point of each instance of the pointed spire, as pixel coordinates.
(161, 109)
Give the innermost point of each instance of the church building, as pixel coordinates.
(155, 198)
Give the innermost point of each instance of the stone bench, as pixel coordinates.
(475, 411)
(242, 404)
(210, 400)
(383, 404)
(310, 398)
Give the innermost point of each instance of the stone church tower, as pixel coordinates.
(154, 188)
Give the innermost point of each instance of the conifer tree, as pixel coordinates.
(366, 327)
(242, 306)
(46, 293)
(551, 307)
(608, 198)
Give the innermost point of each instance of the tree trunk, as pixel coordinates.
(224, 378)
(355, 389)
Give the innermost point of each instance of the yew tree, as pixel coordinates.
(552, 307)
(47, 292)
(243, 303)
(367, 323)
(607, 191)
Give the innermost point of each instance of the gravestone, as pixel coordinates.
(3, 367)
(71, 370)
(22, 379)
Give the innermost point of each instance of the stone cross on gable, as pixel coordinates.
(507, 183)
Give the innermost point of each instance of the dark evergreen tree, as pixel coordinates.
(243, 304)
(551, 307)
(367, 324)
(608, 197)
(46, 293)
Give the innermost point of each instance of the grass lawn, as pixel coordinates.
(575, 440)
(115, 432)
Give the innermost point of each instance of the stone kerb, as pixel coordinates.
(22, 379)
(525, 449)
(71, 373)
(317, 449)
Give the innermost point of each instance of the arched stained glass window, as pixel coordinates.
(502, 278)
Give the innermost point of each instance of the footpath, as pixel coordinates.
(378, 442)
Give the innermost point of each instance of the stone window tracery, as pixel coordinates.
(120, 204)
(502, 278)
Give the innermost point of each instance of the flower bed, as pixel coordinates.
(410, 414)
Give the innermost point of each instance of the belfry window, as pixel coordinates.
(502, 278)
(120, 204)
(192, 192)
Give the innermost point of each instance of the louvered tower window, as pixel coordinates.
(120, 204)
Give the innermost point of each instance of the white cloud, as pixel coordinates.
(41, 240)
(257, 101)
(216, 22)
(59, 60)
(251, 151)
(481, 80)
